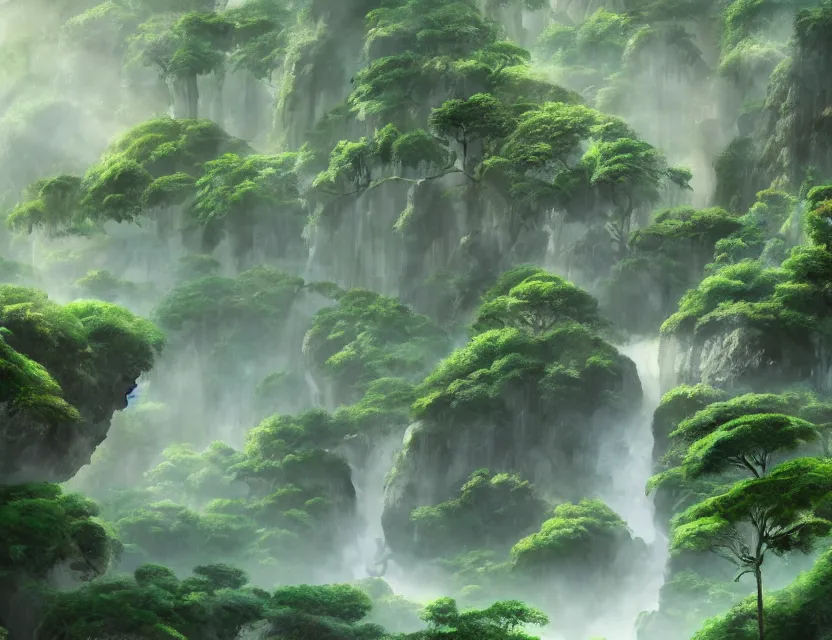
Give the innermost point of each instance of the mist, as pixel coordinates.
(328, 312)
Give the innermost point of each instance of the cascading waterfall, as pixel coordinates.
(369, 473)
(629, 468)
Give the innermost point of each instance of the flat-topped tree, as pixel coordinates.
(66, 370)
(714, 444)
(146, 172)
(479, 119)
(503, 620)
(773, 513)
(749, 444)
(195, 44)
(536, 303)
(629, 174)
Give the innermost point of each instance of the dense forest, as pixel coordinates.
(415, 319)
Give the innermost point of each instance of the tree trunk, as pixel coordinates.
(251, 107)
(186, 104)
(217, 105)
(758, 574)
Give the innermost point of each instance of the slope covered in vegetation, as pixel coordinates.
(415, 319)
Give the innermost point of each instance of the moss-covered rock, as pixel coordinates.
(491, 512)
(512, 400)
(65, 371)
(366, 336)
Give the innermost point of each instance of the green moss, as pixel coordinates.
(588, 535)
(68, 368)
(366, 336)
(491, 511)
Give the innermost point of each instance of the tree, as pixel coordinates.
(155, 604)
(501, 621)
(479, 118)
(629, 174)
(490, 512)
(773, 513)
(260, 35)
(195, 45)
(366, 336)
(538, 303)
(748, 443)
(252, 196)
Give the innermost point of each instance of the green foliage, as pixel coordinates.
(665, 259)
(154, 165)
(243, 194)
(393, 612)
(366, 336)
(491, 511)
(194, 267)
(193, 45)
(798, 611)
(170, 533)
(220, 315)
(164, 147)
(41, 527)
(551, 372)
(429, 28)
(785, 497)
(819, 216)
(747, 443)
(729, 438)
(103, 285)
(259, 37)
(537, 303)
(65, 371)
(501, 621)
(482, 117)
(676, 405)
(341, 601)
(51, 203)
(592, 49)
(156, 605)
(587, 536)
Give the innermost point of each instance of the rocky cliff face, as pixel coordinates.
(549, 448)
(34, 450)
(738, 358)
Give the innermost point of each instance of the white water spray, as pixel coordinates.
(629, 470)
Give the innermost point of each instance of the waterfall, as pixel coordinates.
(628, 464)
